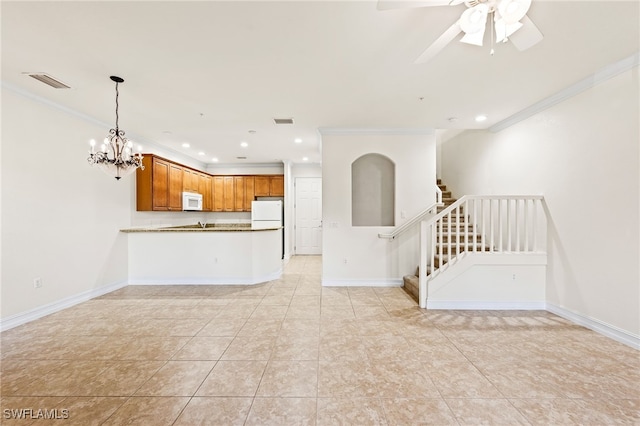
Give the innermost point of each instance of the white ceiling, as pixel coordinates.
(207, 72)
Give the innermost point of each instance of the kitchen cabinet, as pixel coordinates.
(269, 186)
(218, 193)
(276, 186)
(205, 187)
(159, 185)
(229, 199)
(249, 192)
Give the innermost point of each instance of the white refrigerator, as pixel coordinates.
(266, 214)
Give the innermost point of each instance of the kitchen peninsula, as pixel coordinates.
(210, 254)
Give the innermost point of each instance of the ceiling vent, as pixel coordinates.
(283, 120)
(241, 158)
(48, 80)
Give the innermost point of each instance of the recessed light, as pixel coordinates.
(214, 159)
(139, 148)
(244, 144)
(201, 153)
(480, 118)
(185, 145)
(305, 158)
(297, 140)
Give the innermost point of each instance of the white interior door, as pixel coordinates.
(308, 215)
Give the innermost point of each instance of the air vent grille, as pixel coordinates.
(48, 80)
(241, 158)
(283, 120)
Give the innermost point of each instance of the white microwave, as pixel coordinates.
(191, 201)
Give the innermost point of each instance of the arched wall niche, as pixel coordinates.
(373, 186)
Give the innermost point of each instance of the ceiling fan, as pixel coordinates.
(507, 18)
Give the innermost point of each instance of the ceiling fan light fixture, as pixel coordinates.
(473, 22)
(512, 11)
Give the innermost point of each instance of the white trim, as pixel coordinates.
(593, 80)
(208, 281)
(596, 325)
(375, 131)
(48, 309)
(131, 135)
(471, 305)
(361, 283)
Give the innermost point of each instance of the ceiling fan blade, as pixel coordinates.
(527, 36)
(406, 4)
(440, 43)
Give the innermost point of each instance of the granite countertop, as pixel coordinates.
(209, 227)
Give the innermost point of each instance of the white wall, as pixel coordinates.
(61, 217)
(583, 156)
(371, 260)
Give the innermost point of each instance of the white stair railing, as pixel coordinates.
(417, 218)
(479, 223)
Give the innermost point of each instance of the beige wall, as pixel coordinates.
(583, 156)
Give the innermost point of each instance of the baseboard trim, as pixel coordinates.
(361, 283)
(596, 325)
(42, 311)
(472, 305)
(208, 281)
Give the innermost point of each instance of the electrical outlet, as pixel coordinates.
(345, 260)
(37, 282)
(514, 277)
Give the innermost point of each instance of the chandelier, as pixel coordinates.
(115, 156)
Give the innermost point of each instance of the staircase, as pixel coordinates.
(447, 247)
(477, 229)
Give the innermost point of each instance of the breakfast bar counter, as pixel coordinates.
(204, 254)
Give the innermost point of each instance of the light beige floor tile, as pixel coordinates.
(398, 379)
(462, 380)
(350, 411)
(90, 410)
(68, 378)
(177, 378)
(144, 411)
(296, 347)
(222, 327)
(346, 378)
(474, 412)
(565, 411)
(215, 411)
(418, 411)
(203, 348)
(250, 348)
(300, 327)
(342, 348)
(261, 327)
(289, 379)
(282, 411)
(336, 312)
(233, 378)
(269, 312)
(119, 378)
(303, 312)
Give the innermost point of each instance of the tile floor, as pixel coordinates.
(290, 352)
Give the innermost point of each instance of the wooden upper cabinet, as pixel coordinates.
(159, 185)
(238, 193)
(276, 186)
(269, 186)
(261, 186)
(175, 186)
(249, 192)
(228, 194)
(205, 187)
(218, 193)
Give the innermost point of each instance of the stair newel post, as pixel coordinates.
(422, 273)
